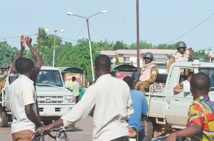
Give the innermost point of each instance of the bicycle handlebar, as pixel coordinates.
(59, 130)
(58, 135)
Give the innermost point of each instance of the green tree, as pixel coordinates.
(117, 61)
(7, 53)
(119, 45)
(131, 63)
(201, 53)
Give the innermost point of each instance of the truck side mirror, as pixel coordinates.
(186, 87)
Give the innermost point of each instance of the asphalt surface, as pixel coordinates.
(82, 132)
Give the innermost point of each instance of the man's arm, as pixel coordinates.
(31, 115)
(46, 129)
(22, 42)
(78, 112)
(37, 56)
(178, 88)
(188, 132)
(171, 61)
(130, 109)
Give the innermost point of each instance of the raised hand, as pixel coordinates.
(28, 40)
(22, 41)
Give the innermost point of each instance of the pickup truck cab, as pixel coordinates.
(168, 111)
(54, 100)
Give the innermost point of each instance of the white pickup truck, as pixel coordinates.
(54, 100)
(168, 111)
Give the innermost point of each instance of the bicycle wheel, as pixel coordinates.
(63, 138)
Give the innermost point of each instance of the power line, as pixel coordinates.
(12, 37)
(98, 31)
(80, 31)
(191, 29)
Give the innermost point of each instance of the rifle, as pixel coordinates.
(136, 76)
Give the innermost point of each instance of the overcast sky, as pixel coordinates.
(161, 21)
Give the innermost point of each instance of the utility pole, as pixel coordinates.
(138, 35)
(39, 46)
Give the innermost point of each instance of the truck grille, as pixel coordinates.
(50, 99)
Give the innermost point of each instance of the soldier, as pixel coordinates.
(181, 54)
(148, 74)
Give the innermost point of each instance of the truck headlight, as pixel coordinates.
(69, 99)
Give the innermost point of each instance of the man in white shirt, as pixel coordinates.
(113, 106)
(22, 103)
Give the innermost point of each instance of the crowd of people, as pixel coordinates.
(118, 105)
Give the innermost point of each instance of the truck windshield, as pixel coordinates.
(210, 72)
(49, 77)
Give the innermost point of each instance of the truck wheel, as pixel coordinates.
(148, 128)
(3, 118)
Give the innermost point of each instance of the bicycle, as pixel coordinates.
(58, 137)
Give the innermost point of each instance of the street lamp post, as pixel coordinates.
(55, 31)
(138, 35)
(89, 38)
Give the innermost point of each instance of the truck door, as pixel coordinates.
(178, 109)
(177, 105)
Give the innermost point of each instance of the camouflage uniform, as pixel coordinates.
(178, 57)
(148, 76)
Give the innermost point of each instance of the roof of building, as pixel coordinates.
(133, 52)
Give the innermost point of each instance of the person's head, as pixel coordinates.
(73, 78)
(129, 81)
(26, 67)
(148, 57)
(189, 76)
(199, 85)
(181, 47)
(17, 63)
(102, 65)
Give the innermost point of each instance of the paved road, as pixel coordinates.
(82, 132)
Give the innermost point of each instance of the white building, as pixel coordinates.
(161, 56)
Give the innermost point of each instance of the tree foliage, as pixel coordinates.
(69, 55)
(201, 54)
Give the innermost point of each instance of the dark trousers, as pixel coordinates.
(77, 98)
(121, 139)
(141, 135)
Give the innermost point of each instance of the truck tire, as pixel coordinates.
(3, 118)
(148, 128)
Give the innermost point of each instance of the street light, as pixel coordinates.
(89, 38)
(55, 31)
